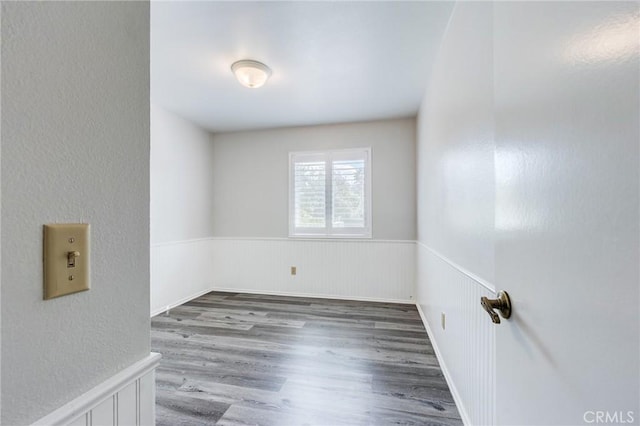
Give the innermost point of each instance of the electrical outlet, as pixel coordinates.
(294, 270)
(442, 319)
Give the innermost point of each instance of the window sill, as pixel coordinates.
(330, 237)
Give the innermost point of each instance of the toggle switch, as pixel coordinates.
(71, 258)
(66, 259)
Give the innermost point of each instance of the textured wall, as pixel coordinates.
(456, 145)
(528, 182)
(182, 190)
(75, 148)
(456, 207)
(567, 209)
(251, 175)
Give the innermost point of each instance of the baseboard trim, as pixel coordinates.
(184, 300)
(445, 370)
(290, 239)
(180, 302)
(90, 399)
(313, 295)
(315, 240)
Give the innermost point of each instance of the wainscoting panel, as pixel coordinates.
(104, 413)
(127, 404)
(126, 399)
(468, 341)
(180, 271)
(353, 269)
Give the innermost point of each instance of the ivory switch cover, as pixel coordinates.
(66, 259)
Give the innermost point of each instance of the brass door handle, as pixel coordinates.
(502, 304)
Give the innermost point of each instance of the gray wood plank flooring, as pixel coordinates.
(246, 359)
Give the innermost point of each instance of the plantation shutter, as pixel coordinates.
(310, 192)
(348, 189)
(330, 193)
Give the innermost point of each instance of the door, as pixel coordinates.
(567, 222)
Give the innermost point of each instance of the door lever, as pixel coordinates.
(502, 304)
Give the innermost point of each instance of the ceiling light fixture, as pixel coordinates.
(251, 74)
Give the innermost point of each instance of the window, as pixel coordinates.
(330, 193)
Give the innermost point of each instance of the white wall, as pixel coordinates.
(251, 175)
(182, 197)
(0, 226)
(75, 148)
(252, 251)
(528, 182)
(455, 174)
(456, 207)
(180, 271)
(382, 270)
(217, 198)
(567, 210)
(182, 191)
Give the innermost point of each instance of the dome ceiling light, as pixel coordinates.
(251, 74)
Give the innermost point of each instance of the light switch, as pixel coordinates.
(66, 259)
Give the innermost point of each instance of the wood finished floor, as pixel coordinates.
(245, 359)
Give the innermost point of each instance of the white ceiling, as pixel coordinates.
(332, 61)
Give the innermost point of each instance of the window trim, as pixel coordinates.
(326, 232)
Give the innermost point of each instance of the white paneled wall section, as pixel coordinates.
(128, 398)
(180, 271)
(353, 269)
(381, 270)
(466, 345)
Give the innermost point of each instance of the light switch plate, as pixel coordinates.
(66, 259)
